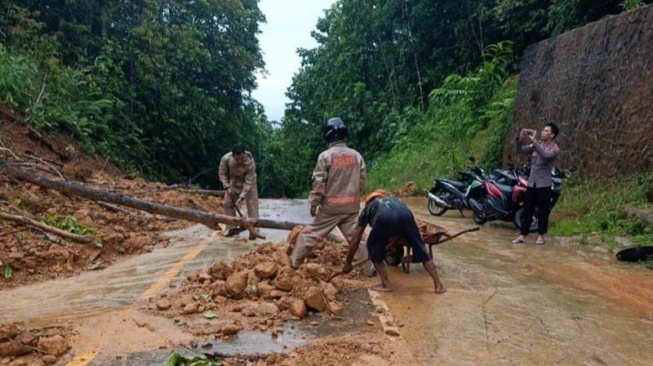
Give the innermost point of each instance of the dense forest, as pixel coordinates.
(163, 87)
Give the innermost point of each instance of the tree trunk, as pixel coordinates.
(209, 219)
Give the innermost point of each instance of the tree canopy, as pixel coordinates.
(164, 86)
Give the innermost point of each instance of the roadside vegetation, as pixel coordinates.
(163, 89)
(593, 210)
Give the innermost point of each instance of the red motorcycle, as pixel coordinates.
(502, 202)
(505, 202)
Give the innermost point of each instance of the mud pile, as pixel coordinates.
(29, 255)
(259, 291)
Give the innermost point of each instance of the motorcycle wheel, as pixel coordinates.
(393, 254)
(433, 207)
(477, 216)
(517, 221)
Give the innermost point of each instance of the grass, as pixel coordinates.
(594, 209)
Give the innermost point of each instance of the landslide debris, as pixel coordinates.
(29, 255)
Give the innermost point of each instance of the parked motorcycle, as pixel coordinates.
(506, 203)
(455, 194)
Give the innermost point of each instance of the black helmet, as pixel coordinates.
(334, 130)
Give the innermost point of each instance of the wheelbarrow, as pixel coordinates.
(398, 250)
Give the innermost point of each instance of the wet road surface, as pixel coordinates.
(522, 304)
(505, 304)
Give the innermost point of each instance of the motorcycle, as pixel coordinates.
(449, 194)
(502, 202)
(506, 203)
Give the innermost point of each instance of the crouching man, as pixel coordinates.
(388, 217)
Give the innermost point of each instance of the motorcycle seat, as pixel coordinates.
(454, 183)
(504, 188)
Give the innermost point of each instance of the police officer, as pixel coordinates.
(338, 182)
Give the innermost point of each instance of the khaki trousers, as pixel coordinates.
(323, 224)
(251, 200)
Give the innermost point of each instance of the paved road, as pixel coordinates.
(523, 304)
(505, 304)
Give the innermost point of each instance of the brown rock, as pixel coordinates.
(266, 270)
(16, 255)
(316, 270)
(49, 359)
(329, 291)
(392, 332)
(249, 311)
(193, 277)
(236, 284)
(265, 290)
(191, 308)
(8, 331)
(314, 299)
(231, 329)
(267, 308)
(163, 304)
(276, 294)
(335, 307)
(54, 345)
(298, 309)
(285, 280)
(205, 277)
(219, 288)
(13, 349)
(18, 362)
(220, 271)
(337, 283)
(220, 300)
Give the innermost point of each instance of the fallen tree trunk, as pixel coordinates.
(206, 192)
(209, 219)
(62, 233)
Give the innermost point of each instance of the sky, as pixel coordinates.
(289, 25)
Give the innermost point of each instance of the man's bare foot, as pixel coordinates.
(440, 289)
(381, 288)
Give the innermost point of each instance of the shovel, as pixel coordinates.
(357, 264)
(247, 225)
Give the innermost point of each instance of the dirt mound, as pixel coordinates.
(29, 254)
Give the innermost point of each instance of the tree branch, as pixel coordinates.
(62, 233)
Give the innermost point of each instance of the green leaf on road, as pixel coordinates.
(210, 314)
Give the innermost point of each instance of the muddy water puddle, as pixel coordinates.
(125, 341)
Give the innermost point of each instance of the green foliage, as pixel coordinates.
(596, 207)
(175, 359)
(8, 272)
(631, 4)
(159, 87)
(68, 223)
(469, 116)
